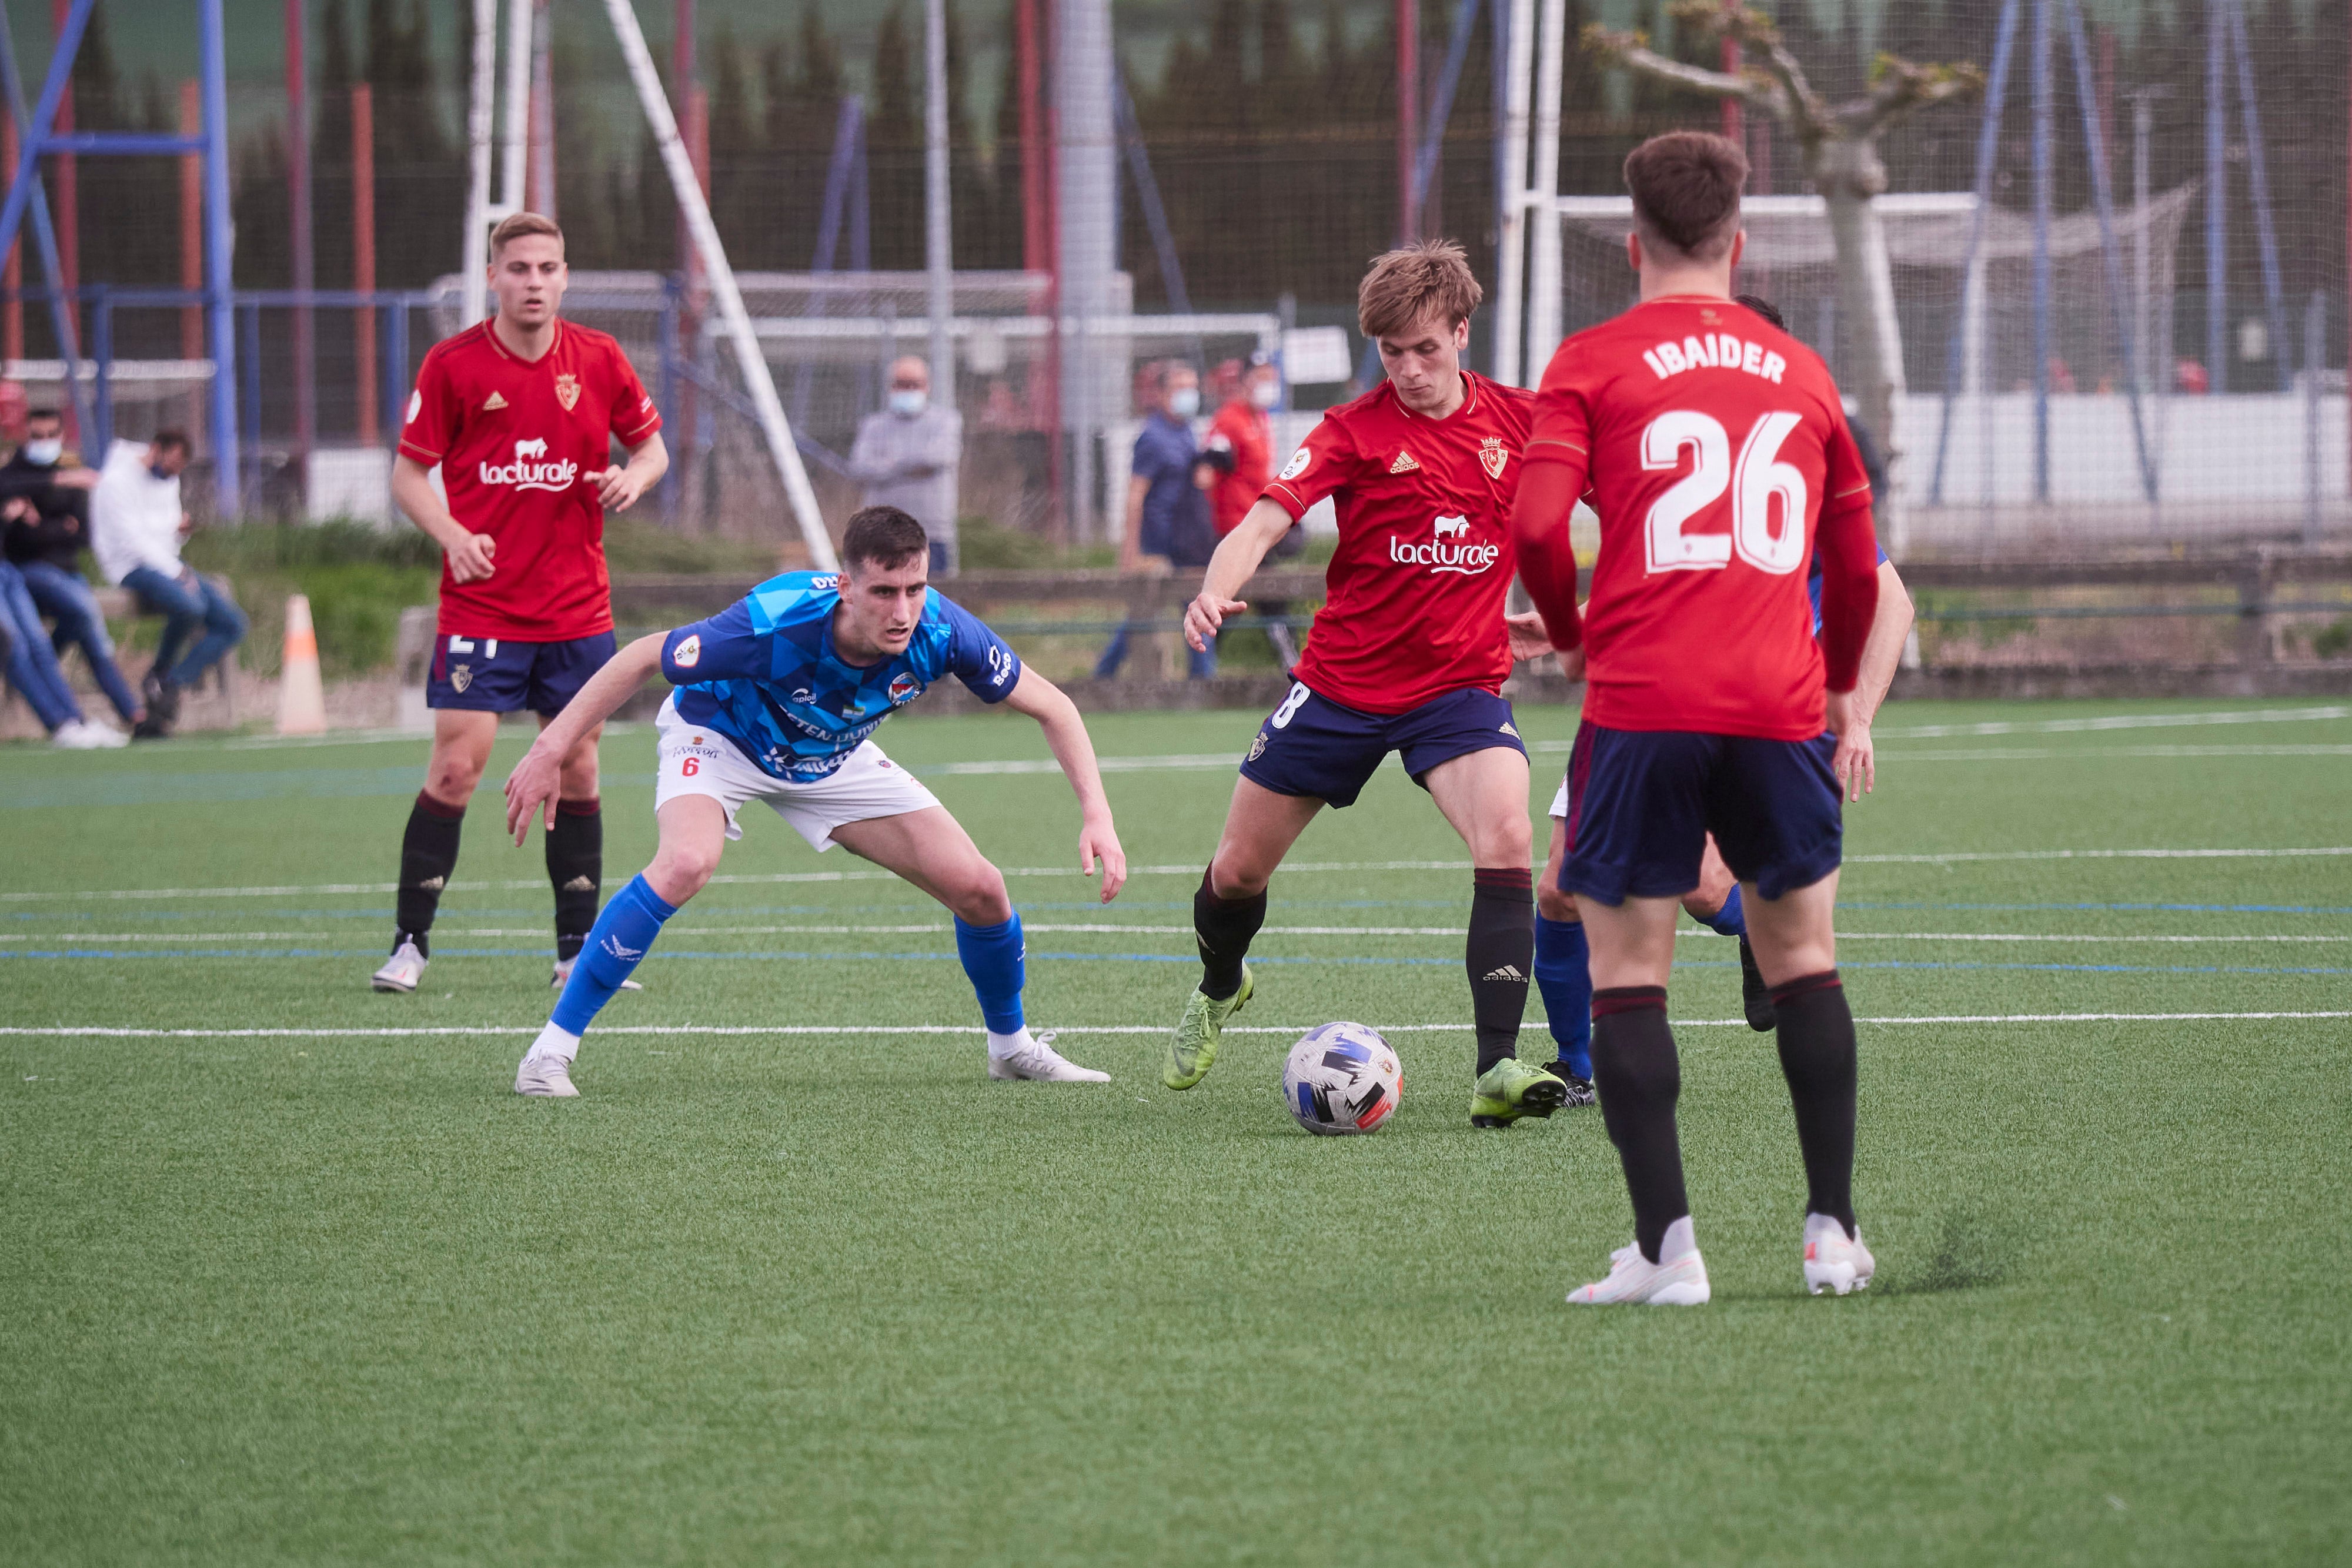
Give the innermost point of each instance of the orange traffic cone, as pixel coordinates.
(301, 696)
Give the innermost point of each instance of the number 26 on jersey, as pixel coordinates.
(1755, 481)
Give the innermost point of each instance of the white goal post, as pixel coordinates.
(750, 362)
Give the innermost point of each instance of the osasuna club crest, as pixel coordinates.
(460, 676)
(1491, 456)
(567, 389)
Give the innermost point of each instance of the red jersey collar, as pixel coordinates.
(1469, 401)
(490, 332)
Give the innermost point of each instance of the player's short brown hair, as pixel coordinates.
(1410, 282)
(1686, 187)
(885, 536)
(519, 224)
(171, 440)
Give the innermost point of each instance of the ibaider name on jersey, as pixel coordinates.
(1710, 443)
(763, 673)
(1415, 608)
(517, 441)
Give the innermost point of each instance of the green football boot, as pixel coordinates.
(1510, 1089)
(1193, 1049)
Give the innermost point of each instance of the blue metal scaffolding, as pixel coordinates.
(26, 195)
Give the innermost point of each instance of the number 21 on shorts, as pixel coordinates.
(1755, 481)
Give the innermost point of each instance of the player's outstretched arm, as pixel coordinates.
(468, 552)
(1066, 732)
(1235, 562)
(617, 489)
(531, 786)
(1856, 762)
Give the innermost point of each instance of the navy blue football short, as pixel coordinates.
(1642, 803)
(1311, 745)
(492, 674)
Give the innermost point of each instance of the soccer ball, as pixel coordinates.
(1341, 1078)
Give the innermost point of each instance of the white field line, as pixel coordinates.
(96, 1032)
(936, 929)
(2082, 726)
(1191, 869)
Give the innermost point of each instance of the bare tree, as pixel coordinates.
(1839, 143)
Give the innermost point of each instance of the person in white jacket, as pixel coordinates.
(136, 524)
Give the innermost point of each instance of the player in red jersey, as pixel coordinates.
(1408, 653)
(519, 413)
(1715, 453)
(1236, 461)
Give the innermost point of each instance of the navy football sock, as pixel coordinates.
(617, 943)
(1497, 954)
(575, 868)
(428, 853)
(1731, 920)
(994, 960)
(1640, 1078)
(1564, 976)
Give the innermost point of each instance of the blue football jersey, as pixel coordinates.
(763, 672)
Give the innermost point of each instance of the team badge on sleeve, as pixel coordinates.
(1492, 456)
(688, 654)
(1298, 463)
(567, 389)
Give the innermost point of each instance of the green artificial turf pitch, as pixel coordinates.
(326, 1293)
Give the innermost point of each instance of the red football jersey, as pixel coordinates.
(515, 440)
(1243, 429)
(1712, 446)
(1415, 607)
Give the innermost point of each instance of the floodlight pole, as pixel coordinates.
(750, 360)
(475, 263)
(1510, 268)
(938, 235)
(1543, 259)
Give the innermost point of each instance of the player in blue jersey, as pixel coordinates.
(778, 696)
(1561, 974)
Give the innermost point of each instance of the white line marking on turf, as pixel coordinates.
(99, 1031)
(690, 929)
(2082, 726)
(1191, 869)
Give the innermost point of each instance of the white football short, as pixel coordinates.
(1560, 801)
(699, 761)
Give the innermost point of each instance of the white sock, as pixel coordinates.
(1003, 1045)
(561, 1045)
(1679, 1239)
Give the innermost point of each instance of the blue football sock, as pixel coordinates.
(1731, 920)
(992, 957)
(1565, 976)
(617, 942)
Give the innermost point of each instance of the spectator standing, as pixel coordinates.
(32, 663)
(45, 544)
(907, 456)
(1167, 511)
(136, 526)
(1236, 462)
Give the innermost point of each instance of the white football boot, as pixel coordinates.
(402, 970)
(545, 1078)
(1833, 1262)
(1037, 1059)
(1678, 1280)
(564, 977)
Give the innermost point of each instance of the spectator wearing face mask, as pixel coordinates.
(136, 526)
(907, 454)
(1167, 512)
(45, 544)
(1236, 462)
